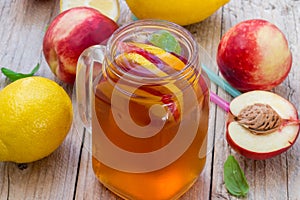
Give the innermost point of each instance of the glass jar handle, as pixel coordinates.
(88, 67)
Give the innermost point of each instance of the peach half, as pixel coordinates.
(261, 125)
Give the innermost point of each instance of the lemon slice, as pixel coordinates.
(110, 8)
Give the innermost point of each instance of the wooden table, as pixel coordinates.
(67, 173)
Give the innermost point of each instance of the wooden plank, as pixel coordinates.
(291, 27)
(88, 186)
(67, 173)
(266, 178)
(23, 24)
(207, 34)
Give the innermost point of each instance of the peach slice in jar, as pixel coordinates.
(142, 63)
(156, 55)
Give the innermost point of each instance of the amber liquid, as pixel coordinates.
(169, 182)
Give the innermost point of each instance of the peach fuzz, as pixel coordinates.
(69, 34)
(254, 55)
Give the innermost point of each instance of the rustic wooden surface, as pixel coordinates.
(67, 173)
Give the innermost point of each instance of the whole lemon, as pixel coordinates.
(36, 115)
(182, 12)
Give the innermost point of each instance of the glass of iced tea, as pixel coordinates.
(145, 100)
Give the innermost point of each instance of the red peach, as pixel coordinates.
(254, 55)
(69, 34)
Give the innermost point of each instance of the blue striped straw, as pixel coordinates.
(220, 82)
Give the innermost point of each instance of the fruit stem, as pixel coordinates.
(290, 122)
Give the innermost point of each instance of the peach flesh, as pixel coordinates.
(264, 146)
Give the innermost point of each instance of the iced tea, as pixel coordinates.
(149, 123)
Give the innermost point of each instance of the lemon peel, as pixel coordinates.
(177, 11)
(36, 115)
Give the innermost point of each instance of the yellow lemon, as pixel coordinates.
(182, 12)
(36, 115)
(109, 8)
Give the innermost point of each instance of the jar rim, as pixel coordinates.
(192, 60)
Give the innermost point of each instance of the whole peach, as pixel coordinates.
(254, 55)
(69, 34)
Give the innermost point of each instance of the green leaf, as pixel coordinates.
(165, 40)
(13, 76)
(234, 177)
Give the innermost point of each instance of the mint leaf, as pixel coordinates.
(13, 76)
(165, 40)
(234, 177)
